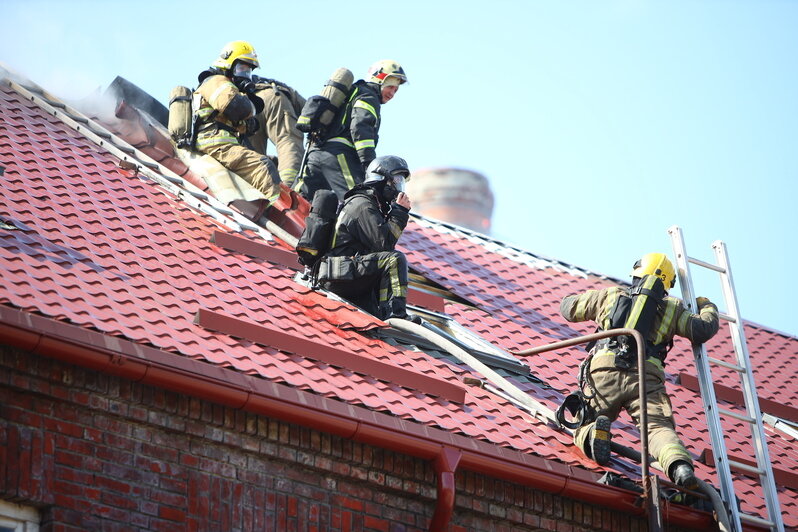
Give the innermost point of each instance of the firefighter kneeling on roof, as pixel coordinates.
(610, 373)
(225, 113)
(362, 265)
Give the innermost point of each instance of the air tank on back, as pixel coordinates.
(455, 195)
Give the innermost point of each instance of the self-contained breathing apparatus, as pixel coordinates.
(316, 241)
(636, 310)
(182, 122)
(320, 110)
(316, 238)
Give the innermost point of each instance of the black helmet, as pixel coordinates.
(388, 168)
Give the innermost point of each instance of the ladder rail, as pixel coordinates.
(749, 387)
(705, 384)
(743, 368)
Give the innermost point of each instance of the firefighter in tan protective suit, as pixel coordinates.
(225, 106)
(612, 374)
(277, 123)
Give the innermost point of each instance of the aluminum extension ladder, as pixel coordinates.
(742, 368)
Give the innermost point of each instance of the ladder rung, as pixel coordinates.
(199, 195)
(174, 179)
(729, 365)
(250, 226)
(741, 417)
(727, 317)
(757, 520)
(78, 118)
(746, 467)
(102, 134)
(706, 265)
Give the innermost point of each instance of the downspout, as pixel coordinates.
(445, 466)
(174, 372)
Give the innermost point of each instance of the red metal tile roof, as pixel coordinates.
(92, 244)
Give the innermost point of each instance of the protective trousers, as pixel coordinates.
(334, 167)
(616, 389)
(376, 282)
(253, 167)
(278, 124)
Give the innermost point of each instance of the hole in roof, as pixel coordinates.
(450, 329)
(7, 225)
(422, 284)
(445, 326)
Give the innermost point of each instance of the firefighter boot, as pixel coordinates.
(600, 440)
(683, 474)
(396, 307)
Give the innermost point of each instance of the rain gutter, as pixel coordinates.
(123, 358)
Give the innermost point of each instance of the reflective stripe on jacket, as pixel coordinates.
(216, 94)
(359, 121)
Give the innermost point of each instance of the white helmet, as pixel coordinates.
(384, 69)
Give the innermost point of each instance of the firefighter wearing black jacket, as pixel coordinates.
(362, 265)
(612, 374)
(340, 162)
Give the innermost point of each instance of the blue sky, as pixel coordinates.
(599, 123)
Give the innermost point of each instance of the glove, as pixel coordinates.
(252, 126)
(702, 302)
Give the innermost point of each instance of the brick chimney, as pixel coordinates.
(454, 195)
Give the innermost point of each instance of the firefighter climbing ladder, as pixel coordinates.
(743, 369)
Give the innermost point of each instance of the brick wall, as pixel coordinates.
(101, 453)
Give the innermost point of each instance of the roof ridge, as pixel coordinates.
(557, 264)
(136, 160)
(517, 253)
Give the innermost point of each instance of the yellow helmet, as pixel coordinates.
(656, 264)
(386, 68)
(236, 51)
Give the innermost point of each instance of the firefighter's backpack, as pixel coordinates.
(294, 98)
(637, 311)
(181, 116)
(320, 110)
(317, 236)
